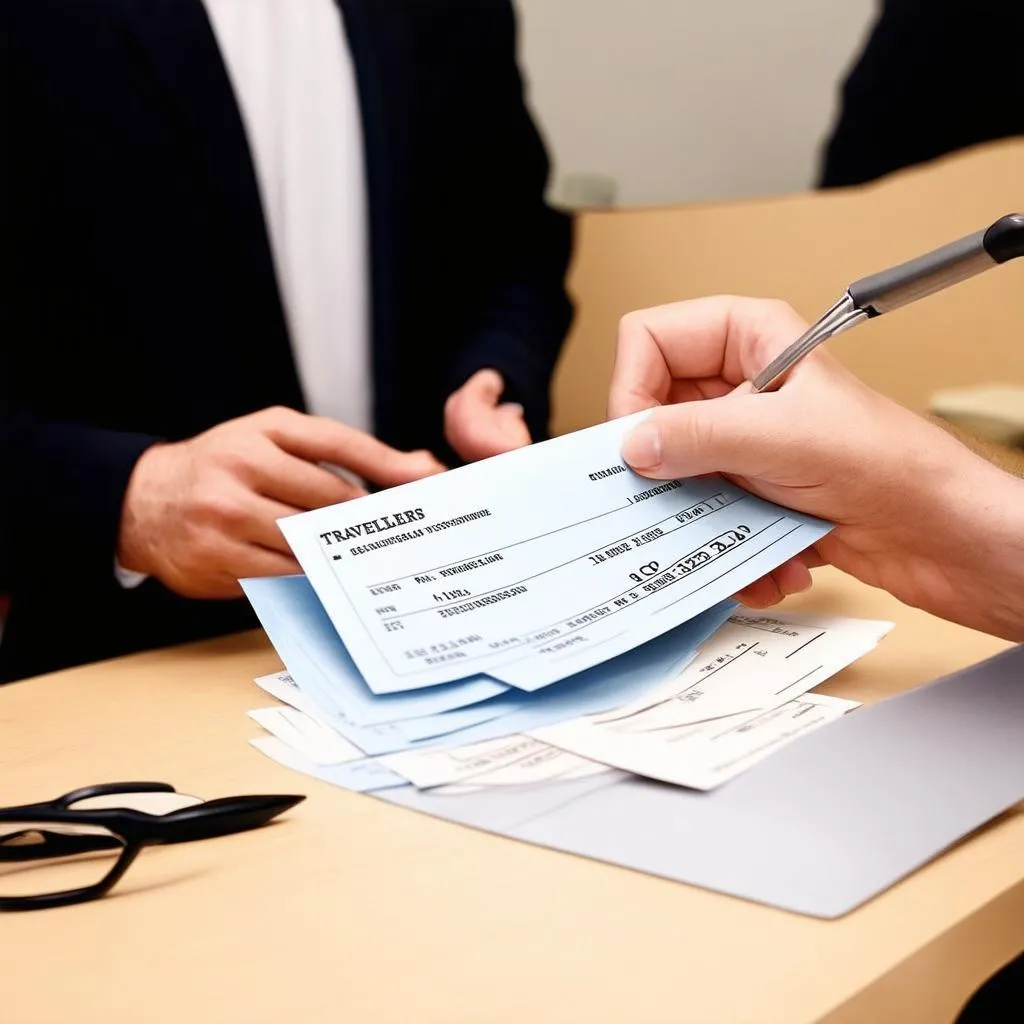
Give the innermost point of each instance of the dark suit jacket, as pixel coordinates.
(138, 299)
(933, 77)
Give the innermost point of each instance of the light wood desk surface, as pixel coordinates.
(352, 910)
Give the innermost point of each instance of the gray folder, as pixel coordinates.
(820, 827)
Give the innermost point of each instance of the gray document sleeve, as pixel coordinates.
(820, 827)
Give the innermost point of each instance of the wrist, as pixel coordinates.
(133, 552)
(984, 563)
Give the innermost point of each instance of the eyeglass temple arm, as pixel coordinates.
(208, 820)
(112, 789)
(221, 817)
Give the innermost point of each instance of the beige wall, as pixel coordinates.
(683, 100)
(806, 249)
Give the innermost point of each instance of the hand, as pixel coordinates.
(201, 514)
(917, 513)
(477, 426)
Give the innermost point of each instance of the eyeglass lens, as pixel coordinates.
(45, 858)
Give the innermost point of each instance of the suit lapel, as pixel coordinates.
(178, 42)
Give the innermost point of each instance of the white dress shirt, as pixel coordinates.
(292, 74)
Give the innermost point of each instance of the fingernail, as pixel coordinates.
(514, 407)
(643, 447)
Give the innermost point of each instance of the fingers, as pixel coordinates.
(514, 433)
(718, 337)
(403, 468)
(792, 577)
(245, 561)
(230, 513)
(740, 434)
(469, 421)
(484, 387)
(300, 484)
(212, 570)
(261, 526)
(812, 559)
(318, 439)
(762, 593)
(641, 378)
(478, 433)
(252, 560)
(476, 426)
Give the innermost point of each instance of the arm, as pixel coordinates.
(524, 311)
(915, 511)
(61, 482)
(61, 493)
(79, 487)
(932, 78)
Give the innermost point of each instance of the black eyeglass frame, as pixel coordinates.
(136, 829)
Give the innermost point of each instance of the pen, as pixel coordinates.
(899, 286)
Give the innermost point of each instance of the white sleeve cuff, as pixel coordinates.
(128, 579)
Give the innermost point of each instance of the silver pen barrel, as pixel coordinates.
(922, 276)
(898, 286)
(841, 317)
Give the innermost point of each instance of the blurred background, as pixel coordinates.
(786, 148)
(653, 102)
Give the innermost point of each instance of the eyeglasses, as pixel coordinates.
(77, 847)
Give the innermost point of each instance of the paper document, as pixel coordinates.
(741, 698)
(755, 661)
(365, 776)
(695, 721)
(512, 761)
(374, 739)
(515, 761)
(321, 744)
(705, 755)
(533, 565)
(316, 658)
(282, 687)
(625, 678)
(549, 765)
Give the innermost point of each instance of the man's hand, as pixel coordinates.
(477, 426)
(917, 513)
(201, 514)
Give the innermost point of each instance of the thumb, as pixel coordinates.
(740, 434)
(485, 386)
(511, 416)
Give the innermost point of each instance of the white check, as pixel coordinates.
(534, 565)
